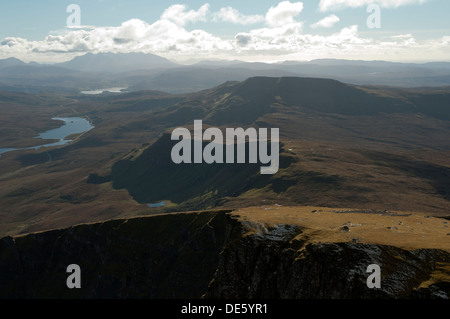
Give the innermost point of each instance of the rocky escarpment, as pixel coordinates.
(278, 262)
(211, 255)
(169, 256)
(150, 175)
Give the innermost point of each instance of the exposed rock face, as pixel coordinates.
(151, 176)
(258, 265)
(214, 255)
(170, 256)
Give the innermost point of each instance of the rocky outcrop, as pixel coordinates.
(279, 263)
(150, 175)
(211, 255)
(168, 256)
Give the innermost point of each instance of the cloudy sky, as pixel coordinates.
(397, 30)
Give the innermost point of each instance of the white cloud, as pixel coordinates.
(163, 37)
(283, 13)
(282, 37)
(402, 36)
(178, 14)
(229, 14)
(289, 39)
(326, 22)
(327, 5)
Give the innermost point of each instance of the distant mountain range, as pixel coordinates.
(5, 63)
(140, 71)
(116, 63)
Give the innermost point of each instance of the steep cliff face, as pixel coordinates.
(211, 255)
(278, 262)
(170, 256)
(150, 175)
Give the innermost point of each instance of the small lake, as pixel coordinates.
(72, 125)
(96, 92)
(160, 204)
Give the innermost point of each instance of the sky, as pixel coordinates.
(50, 31)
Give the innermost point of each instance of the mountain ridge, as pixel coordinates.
(141, 71)
(117, 62)
(388, 153)
(357, 114)
(222, 254)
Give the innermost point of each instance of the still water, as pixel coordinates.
(160, 204)
(111, 90)
(72, 125)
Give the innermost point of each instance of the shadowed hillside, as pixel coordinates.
(152, 176)
(260, 252)
(244, 102)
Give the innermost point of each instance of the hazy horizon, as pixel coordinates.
(236, 60)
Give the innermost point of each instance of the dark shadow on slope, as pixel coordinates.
(152, 176)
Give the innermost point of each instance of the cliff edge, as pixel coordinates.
(257, 252)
